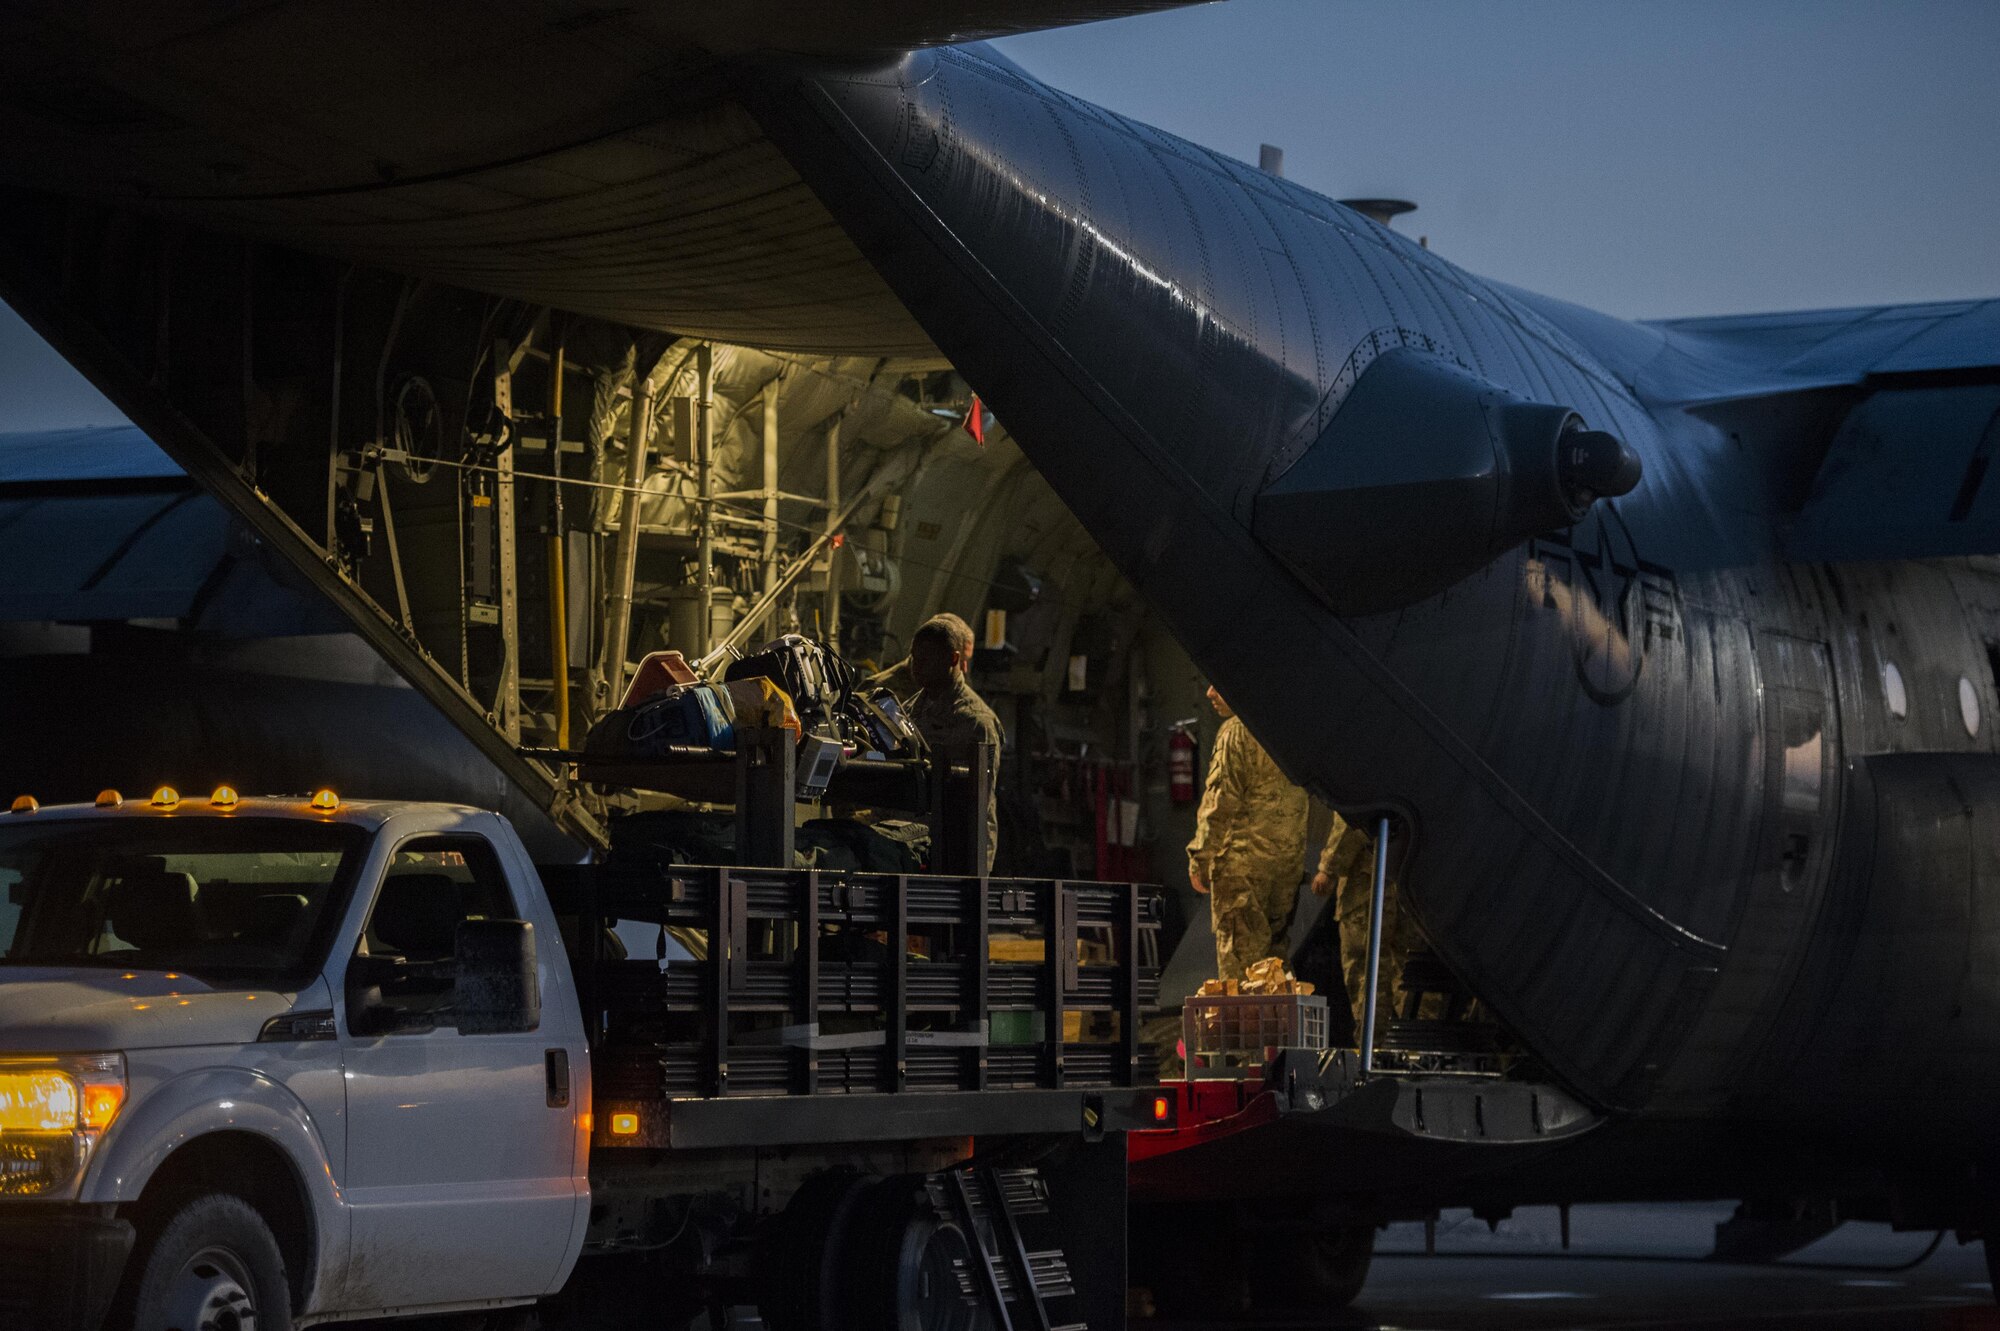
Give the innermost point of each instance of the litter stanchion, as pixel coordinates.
(1374, 944)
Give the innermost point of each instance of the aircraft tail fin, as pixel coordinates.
(1777, 353)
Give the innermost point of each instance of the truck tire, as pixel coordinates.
(1310, 1270)
(902, 1263)
(210, 1264)
(803, 1259)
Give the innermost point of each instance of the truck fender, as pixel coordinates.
(212, 1100)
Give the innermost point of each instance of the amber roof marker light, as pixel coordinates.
(109, 799)
(25, 804)
(166, 797)
(325, 801)
(224, 797)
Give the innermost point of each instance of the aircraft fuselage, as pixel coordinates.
(1708, 829)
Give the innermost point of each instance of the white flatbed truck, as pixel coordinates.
(283, 1061)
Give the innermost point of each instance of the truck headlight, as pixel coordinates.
(53, 1109)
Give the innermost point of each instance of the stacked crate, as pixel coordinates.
(813, 982)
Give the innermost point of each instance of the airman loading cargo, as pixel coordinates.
(1249, 843)
(952, 718)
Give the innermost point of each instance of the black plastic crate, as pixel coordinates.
(789, 954)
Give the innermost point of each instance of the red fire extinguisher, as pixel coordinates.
(1180, 762)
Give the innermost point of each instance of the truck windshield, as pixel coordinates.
(233, 902)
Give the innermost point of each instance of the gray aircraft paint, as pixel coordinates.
(1660, 814)
(1622, 746)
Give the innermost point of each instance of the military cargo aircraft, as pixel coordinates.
(1671, 651)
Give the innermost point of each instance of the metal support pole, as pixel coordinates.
(958, 808)
(510, 597)
(770, 551)
(558, 558)
(765, 811)
(1375, 902)
(704, 462)
(619, 625)
(395, 550)
(559, 630)
(832, 628)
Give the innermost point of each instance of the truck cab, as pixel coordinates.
(279, 1061)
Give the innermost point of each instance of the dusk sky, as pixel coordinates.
(1649, 159)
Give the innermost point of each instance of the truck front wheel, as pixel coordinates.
(211, 1264)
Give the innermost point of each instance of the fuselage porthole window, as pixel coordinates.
(1968, 706)
(1893, 691)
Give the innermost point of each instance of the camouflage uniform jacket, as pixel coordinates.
(953, 718)
(1349, 851)
(1251, 826)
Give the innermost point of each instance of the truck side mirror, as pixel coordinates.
(494, 990)
(367, 1014)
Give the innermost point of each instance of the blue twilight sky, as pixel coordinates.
(1649, 158)
(1646, 157)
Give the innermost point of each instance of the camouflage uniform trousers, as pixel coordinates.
(1398, 939)
(1249, 841)
(1349, 860)
(1247, 920)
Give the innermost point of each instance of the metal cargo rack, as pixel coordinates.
(1231, 1035)
(760, 778)
(811, 995)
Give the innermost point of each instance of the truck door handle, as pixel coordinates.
(555, 1067)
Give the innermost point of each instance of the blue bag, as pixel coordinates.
(691, 716)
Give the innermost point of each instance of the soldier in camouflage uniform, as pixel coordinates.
(1248, 848)
(950, 716)
(1347, 873)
